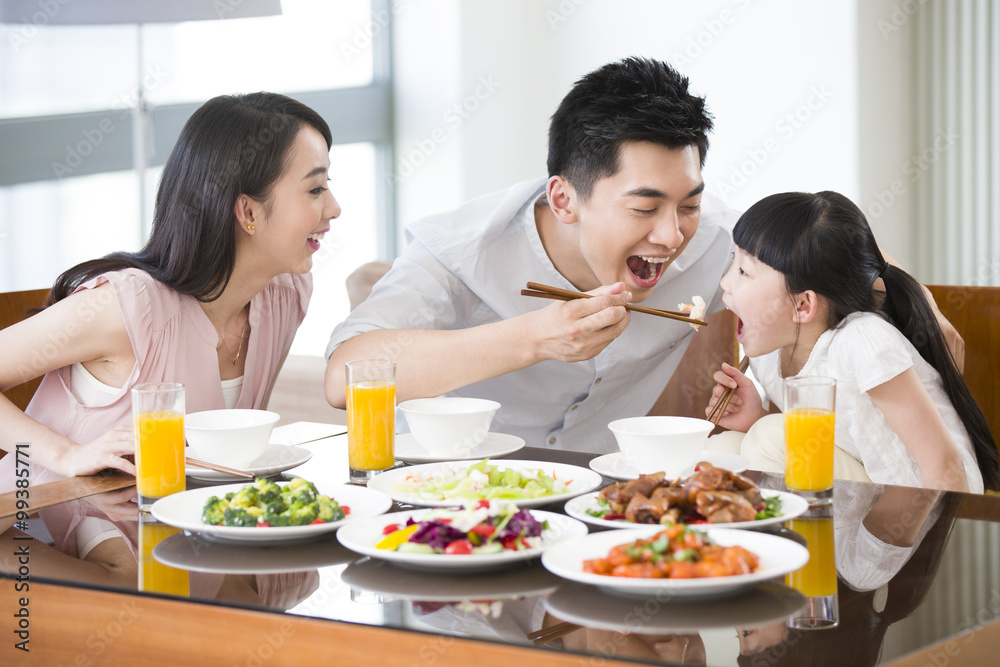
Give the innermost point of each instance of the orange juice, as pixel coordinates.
(371, 425)
(809, 449)
(819, 576)
(154, 576)
(159, 453)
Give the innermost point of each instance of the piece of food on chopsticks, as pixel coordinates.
(695, 310)
(675, 553)
(264, 504)
(711, 495)
(482, 481)
(480, 528)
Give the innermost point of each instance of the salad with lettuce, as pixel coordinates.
(482, 481)
(479, 528)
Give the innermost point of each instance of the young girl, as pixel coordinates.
(803, 285)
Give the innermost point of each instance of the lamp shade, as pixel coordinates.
(106, 12)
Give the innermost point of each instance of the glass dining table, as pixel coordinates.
(915, 576)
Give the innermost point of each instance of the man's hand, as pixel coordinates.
(578, 330)
(954, 341)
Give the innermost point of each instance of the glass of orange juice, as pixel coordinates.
(809, 429)
(158, 414)
(371, 418)
(817, 580)
(154, 576)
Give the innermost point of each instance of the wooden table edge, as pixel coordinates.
(75, 625)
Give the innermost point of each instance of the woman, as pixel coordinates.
(209, 302)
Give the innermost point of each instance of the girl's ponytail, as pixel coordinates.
(907, 308)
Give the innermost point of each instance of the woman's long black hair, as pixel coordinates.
(232, 145)
(822, 242)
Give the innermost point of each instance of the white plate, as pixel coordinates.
(362, 536)
(275, 459)
(593, 608)
(778, 556)
(495, 445)
(384, 578)
(614, 466)
(183, 510)
(791, 507)
(579, 480)
(201, 554)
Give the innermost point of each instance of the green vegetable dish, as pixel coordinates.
(264, 504)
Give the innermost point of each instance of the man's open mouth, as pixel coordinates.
(646, 270)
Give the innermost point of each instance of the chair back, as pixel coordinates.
(690, 387)
(975, 313)
(14, 307)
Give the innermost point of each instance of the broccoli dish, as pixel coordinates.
(264, 504)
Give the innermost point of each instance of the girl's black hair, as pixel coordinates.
(232, 145)
(822, 242)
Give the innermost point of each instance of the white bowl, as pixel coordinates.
(667, 444)
(449, 425)
(234, 438)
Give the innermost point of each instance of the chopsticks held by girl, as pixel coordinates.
(806, 283)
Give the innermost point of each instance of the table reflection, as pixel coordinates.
(104, 540)
(889, 543)
(887, 548)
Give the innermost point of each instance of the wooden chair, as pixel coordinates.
(690, 387)
(14, 307)
(975, 313)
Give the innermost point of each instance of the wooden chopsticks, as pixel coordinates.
(549, 292)
(552, 632)
(217, 468)
(716, 414)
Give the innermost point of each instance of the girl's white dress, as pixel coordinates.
(863, 352)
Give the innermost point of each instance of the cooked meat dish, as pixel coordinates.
(712, 495)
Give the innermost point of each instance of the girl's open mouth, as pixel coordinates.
(646, 271)
(739, 328)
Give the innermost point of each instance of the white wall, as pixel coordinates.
(759, 65)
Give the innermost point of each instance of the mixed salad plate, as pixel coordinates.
(455, 483)
(481, 536)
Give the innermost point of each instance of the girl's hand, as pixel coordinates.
(744, 408)
(106, 451)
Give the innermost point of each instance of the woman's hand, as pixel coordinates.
(744, 408)
(117, 505)
(107, 451)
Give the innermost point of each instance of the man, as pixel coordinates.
(619, 217)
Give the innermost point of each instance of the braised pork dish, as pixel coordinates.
(711, 495)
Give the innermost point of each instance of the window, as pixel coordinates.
(72, 187)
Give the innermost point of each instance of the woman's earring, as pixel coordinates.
(251, 227)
